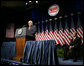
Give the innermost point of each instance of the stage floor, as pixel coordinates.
(69, 62)
(61, 62)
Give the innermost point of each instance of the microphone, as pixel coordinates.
(23, 26)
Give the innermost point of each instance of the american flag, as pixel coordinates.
(79, 29)
(38, 33)
(61, 37)
(42, 32)
(57, 39)
(51, 32)
(46, 33)
(72, 29)
(10, 31)
(66, 32)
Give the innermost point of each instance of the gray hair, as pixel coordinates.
(30, 21)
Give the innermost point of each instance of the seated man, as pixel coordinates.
(75, 46)
(31, 31)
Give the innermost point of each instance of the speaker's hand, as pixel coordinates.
(70, 47)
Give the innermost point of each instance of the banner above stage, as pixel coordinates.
(53, 10)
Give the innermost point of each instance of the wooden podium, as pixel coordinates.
(20, 44)
(20, 36)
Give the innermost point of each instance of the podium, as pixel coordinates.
(20, 36)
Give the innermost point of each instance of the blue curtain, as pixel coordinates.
(40, 52)
(8, 50)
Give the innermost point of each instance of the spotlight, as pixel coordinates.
(30, 1)
(26, 3)
(36, 1)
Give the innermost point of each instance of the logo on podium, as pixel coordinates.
(19, 31)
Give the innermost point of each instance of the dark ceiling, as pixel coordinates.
(17, 10)
(42, 4)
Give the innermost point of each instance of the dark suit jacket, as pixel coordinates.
(31, 33)
(76, 43)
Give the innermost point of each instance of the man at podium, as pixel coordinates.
(31, 30)
(23, 34)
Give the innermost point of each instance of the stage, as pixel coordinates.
(35, 53)
(39, 32)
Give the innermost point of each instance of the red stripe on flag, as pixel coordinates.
(56, 38)
(61, 36)
(65, 38)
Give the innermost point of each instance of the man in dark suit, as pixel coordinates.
(31, 30)
(66, 49)
(75, 46)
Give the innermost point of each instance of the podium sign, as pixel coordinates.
(21, 32)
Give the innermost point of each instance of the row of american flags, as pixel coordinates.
(60, 35)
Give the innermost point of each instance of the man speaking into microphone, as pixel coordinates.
(31, 30)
